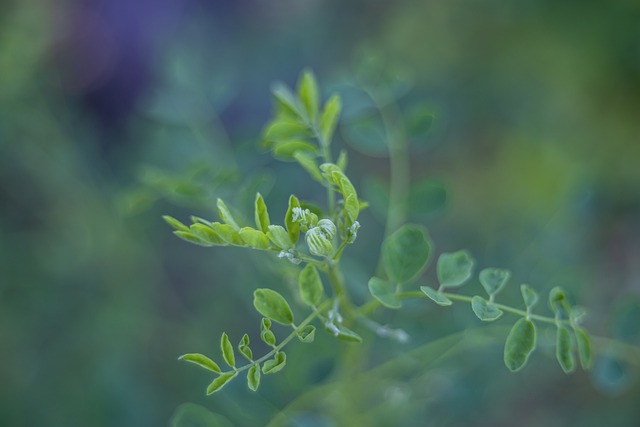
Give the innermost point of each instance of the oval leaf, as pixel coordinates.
(485, 311)
(293, 227)
(254, 238)
(564, 350)
(584, 348)
(494, 279)
(454, 269)
(225, 215)
(384, 292)
(272, 305)
(436, 296)
(329, 118)
(261, 215)
(208, 234)
(201, 360)
(308, 94)
(520, 343)
(221, 381)
(227, 350)
(406, 252)
(177, 225)
(268, 337)
(279, 236)
(228, 234)
(192, 238)
(285, 150)
(276, 364)
(253, 377)
(310, 285)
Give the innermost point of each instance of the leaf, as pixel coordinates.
(276, 364)
(436, 296)
(520, 343)
(272, 305)
(286, 150)
(343, 160)
(419, 123)
(494, 279)
(406, 252)
(329, 118)
(254, 238)
(384, 292)
(279, 236)
(261, 214)
(342, 333)
(368, 136)
(227, 350)
(310, 286)
(244, 349)
(486, 311)
(284, 130)
(564, 350)
(201, 360)
(192, 238)
(307, 161)
(529, 296)
(175, 223)
(585, 352)
(293, 227)
(228, 234)
(207, 234)
(225, 215)
(253, 377)
(454, 269)
(221, 381)
(558, 300)
(268, 337)
(308, 94)
(286, 103)
(335, 176)
(427, 198)
(307, 334)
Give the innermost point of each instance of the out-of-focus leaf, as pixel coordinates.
(406, 252)
(436, 296)
(384, 292)
(520, 343)
(454, 268)
(486, 311)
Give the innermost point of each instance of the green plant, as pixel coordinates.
(315, 239)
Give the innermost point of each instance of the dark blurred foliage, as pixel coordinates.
(115, 112)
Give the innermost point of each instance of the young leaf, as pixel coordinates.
(208, 234)
(486, 311)
(227, 350)
(279, 236)
(558, 300)
(334, 175)
(272, 305)
(584, 348)
(175, 223)
(268, 337)
(307, 334)
(308, 94)
(261, 214)
(253, 377)
(225, 215)
(494, 279)
(254, 238)
(564, 350)
(454, 269)
(307, 161)
(520, 343)
(293, 227)
(276, 364)
(310, 286)
(384, 292)
(529, 296)
(436, 296)
(286, 103)
(284, 130)
(201, 360)
(330, 118)
(265, 325)
(286, 150)
(343, 159)
(244, 349)
(228, 234)
(406, 252)
(192, 238)
(221, 381)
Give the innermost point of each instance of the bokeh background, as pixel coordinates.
(115, 112)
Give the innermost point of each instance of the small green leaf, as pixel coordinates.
(419, 123)
(584, 348)
(310, 286)
(343, 333)
(494, 279)
(261, 214)
(436, 296)
(529, 296)
(276, 364)
(254, 238)
(253, 377)
(227, 350)
(175, 223)
(228, 234)
(279, 236)
(192, 238)
(307, 334)
(225, 215)
(221, 381)
(308, 162)
(564, 350)
(329, 118)
(286, 150)
(308, 94)
(293, 227)
(201, 360)
(284, 130)
(265, 325)
(558, 300)
(406, 252)
(334, 175)
(384, 292)
(454, 269)
(427, 198)
(520, 343)
(486, 311)
(343, 159)
(208, 234)
(268, 337)
(272, 305)
(286, 104)
(244, 349)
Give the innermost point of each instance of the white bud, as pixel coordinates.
(318, 243)
(328, 228)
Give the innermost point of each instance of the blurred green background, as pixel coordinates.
(113, 113)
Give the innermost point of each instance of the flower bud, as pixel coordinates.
(328, 228)
(318, 242)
